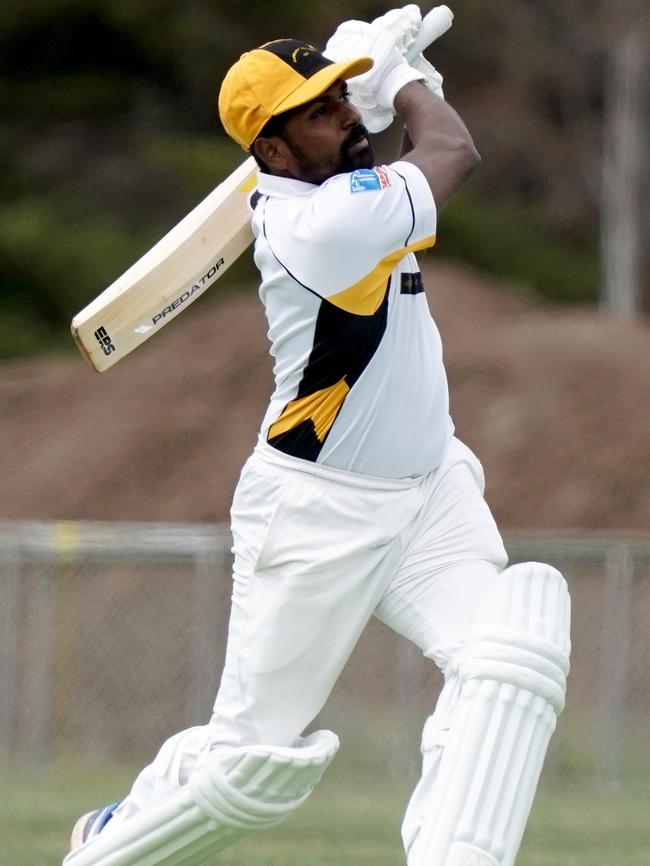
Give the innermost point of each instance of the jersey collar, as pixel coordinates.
(283, 187)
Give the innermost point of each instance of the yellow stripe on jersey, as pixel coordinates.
(321, 408)
(364, 298)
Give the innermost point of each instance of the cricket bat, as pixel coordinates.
(188, 259)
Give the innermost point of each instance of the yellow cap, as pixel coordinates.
(274, 78)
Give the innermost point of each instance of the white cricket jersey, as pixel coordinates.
(359, 378)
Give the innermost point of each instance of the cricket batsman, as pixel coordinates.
(358, 499)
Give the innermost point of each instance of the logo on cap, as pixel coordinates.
(302, 53)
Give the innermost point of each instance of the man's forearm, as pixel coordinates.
(441, 145)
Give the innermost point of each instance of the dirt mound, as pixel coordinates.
(555, 402)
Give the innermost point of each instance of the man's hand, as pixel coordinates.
(373, 92)
(396, 29)
(405, 24)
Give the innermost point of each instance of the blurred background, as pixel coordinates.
(114, 549)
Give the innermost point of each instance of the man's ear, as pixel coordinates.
(273, 152)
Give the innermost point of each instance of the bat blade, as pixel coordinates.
(171, 275)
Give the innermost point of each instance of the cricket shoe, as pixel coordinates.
(90, 825)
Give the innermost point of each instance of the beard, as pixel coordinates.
(362, 158)
(346, 161)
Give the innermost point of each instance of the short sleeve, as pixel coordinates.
(355, 226)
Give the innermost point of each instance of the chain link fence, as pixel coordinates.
(112, 637)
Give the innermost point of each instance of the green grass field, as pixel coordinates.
(349, 820)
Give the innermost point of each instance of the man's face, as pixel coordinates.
(325, 137)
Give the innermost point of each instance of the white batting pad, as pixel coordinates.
(248, 788)
(512, 676)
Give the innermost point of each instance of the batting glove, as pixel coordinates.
(403, 24)
(377, 88)
(375, 118)
(432, 78)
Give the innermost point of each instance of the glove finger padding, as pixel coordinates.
(403, 24)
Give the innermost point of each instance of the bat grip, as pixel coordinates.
(434, 24)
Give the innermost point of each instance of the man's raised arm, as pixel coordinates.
(441, 145)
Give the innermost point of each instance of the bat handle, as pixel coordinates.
(434, 24)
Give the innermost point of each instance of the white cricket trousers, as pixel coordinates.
(317, 552)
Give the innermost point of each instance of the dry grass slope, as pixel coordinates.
(556, 402)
